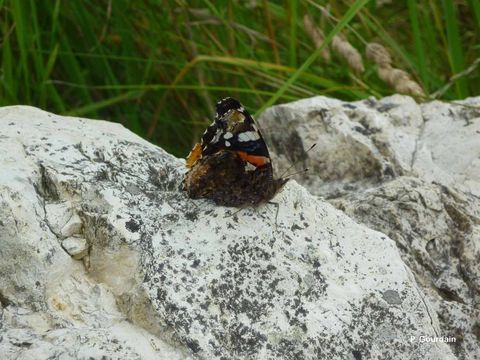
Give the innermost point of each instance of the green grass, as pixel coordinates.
(455, 51)
(421, 58)
(159, 66)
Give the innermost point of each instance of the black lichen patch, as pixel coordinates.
(295, 227)
(195, 263)
(4, 301)
(392, 297)
(22, 344)
(357, 355)
(191, 215)
(132, 225)
(193, 345)
(245, 340)
(102, 175)
(364, 131)
(386, 107)
(289, 349)
(476, 330)
(321, 113)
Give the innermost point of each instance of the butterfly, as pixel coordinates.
(231, 165)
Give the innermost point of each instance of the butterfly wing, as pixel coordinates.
(234, 129)
(219, 165)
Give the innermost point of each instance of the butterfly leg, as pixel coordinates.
(234, 213)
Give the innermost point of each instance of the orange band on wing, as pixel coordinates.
(256, 160)
(194, 155)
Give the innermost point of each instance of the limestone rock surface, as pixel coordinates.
(167, 277)
(408, 170)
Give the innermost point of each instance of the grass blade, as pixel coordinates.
(293, 18)
(417, 39)
(354, 9)
(454, 46)
(94, 106)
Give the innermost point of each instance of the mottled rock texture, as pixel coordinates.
(102, 255)
(411, 171)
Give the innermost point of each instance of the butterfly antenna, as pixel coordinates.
(295, 163)
(295, 173)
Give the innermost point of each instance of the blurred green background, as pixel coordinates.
(159, 66)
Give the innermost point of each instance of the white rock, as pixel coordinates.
(49, 305)
(409, 170)
(362, 143)
(191, 278)
(77, 247)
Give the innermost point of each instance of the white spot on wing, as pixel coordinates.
(227, 143)
(217, 136)
(228, 135)
(250, 167)
(248, 136)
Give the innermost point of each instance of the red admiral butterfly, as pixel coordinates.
(231, 165)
